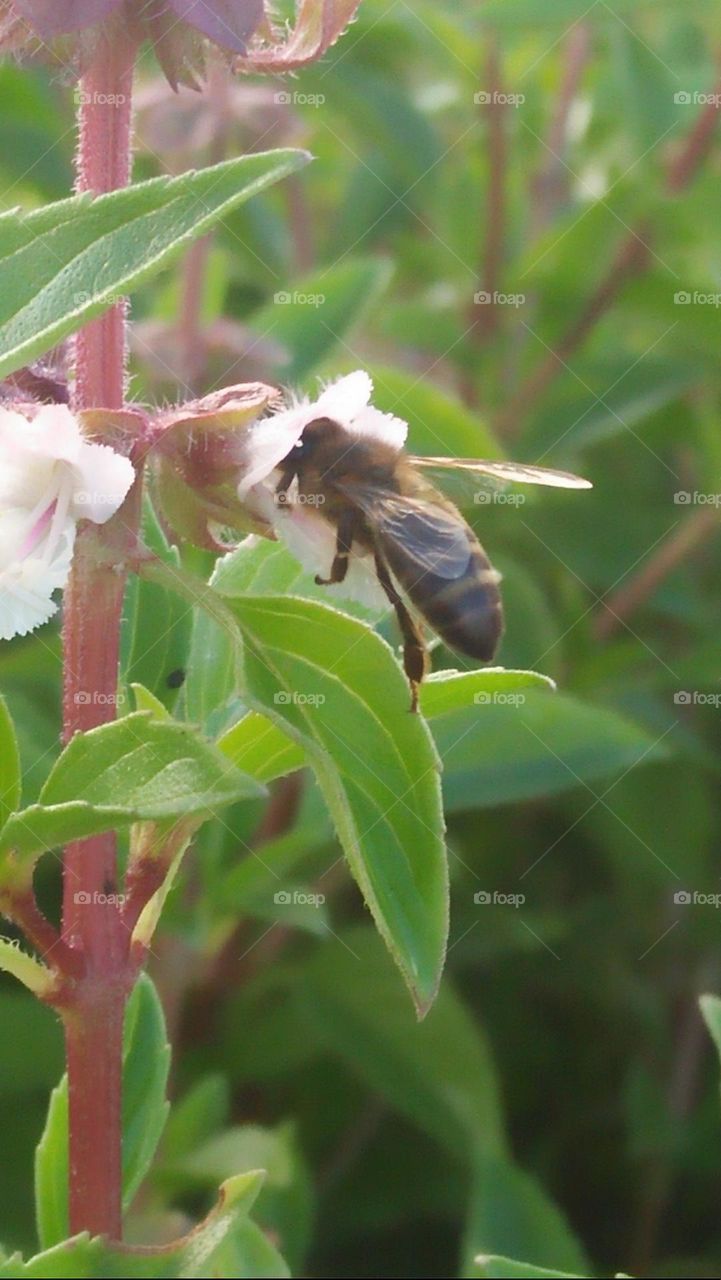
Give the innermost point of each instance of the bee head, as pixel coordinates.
(318, 435)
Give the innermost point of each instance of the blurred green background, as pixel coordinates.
(512, 222)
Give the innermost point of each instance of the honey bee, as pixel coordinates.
(378, 499)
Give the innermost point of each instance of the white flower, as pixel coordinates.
(309, 537)
(50, 477)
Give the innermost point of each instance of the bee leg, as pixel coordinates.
(282, 487)
(343, 545)
(415, 655)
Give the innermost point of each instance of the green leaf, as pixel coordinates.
(284, 1206)
(440, 1074)
(491, 686)
(65, 263)
(711, 1012)
(510, 1211)
(83, 1258)
(200, 1113)
(10, 777)
(137, 768)
(505, 752)
(25, 968)
(494, 1267)
(146, 1063)
(438, 423)
(261, 749)
(314, 316)
(335, 688)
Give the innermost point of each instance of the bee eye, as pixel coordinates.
(299, 445)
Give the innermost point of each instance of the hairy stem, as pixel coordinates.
(93, 605)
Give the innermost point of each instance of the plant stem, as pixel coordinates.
(93, 605)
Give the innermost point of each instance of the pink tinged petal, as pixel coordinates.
(227, 22)
(27, 586)
(56, 17)
(318, 25)
(103, 479)
(345, 398)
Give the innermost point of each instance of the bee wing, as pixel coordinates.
(516, 471)
(435, 540)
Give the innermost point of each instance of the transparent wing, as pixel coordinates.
(513, 471)
(434, 539)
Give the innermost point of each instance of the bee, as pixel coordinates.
(378, 498)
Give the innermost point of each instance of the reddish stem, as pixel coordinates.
(93, 606)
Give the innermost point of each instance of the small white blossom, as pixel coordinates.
(50, 477)
(308, 536)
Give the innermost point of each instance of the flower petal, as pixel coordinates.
(104, 478)
(345, 398)
(56, 17)
(228, 22)
(382, 426)
(269, 441)
(311, 540)
(26, 588)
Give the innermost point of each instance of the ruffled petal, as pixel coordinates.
(381, 426)
(27, 586)
(345, 398)
(104, 479)
(269, 442)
